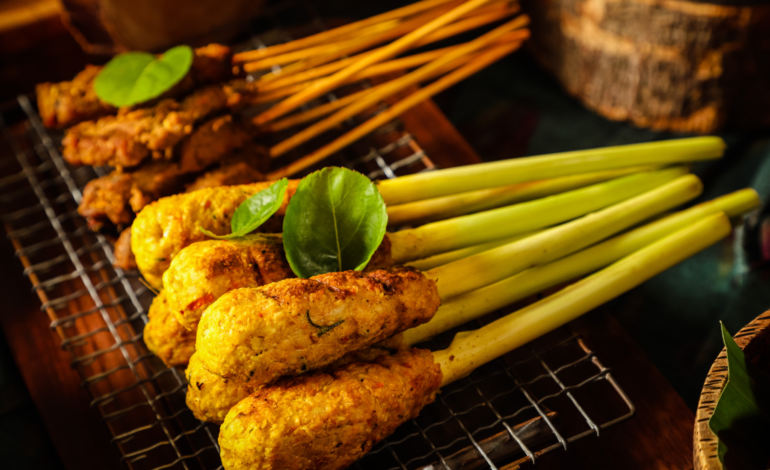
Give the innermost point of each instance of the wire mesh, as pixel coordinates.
(539, 398)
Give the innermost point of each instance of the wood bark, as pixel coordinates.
(665, 64)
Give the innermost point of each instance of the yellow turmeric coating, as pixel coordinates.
(259, 334)
(169, 224)
(165, 337)
(210, 397)
(327, 421)
(204, 271)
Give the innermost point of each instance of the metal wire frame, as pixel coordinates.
(97, 311)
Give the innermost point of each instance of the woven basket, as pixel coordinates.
(754, 339)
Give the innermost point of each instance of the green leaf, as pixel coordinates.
(136, 77)
(740, 419)
(334, 222)
(255, 211)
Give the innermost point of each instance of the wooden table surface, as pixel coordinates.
(659, 436)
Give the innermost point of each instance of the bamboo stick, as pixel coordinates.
(464, 308)
(446, 207)
(314, 113)
(471, 350)
(439, 65)
(487, 175)
(469, 230)
(478, 63)
(487, 268)
(335, 33)
(391, 50)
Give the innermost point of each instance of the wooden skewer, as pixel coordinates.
(335, 33)
(449, 60)
(396, 47)
(324, 54)
(379, 69)
(396, 65)
(315, 113)
(498, 11)
(407, 103)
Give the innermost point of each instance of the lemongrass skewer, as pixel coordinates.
(469, 230)
(501, 34)
(478, 63)
(446, 207)
(391, 50)
(464, 308)
(487, 175)
(486, 268)
(473, 349)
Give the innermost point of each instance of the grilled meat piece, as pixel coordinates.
(166, 226)
(213, 141)
(210, 397)
(227, 175)
(165, 337)
(117, 197)
(130, 137)
(204, 271)
(124, 258)
(257, 335)
(67, 103)
(327, 421)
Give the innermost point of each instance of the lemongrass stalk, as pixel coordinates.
(508, 333)
(469, 230)
(493, 174)
(477, 303)
(496, 264)
(429, 210)
(446, 258)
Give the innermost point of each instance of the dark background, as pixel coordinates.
(513, 108)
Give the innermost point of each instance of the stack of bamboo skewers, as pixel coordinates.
(319, 64)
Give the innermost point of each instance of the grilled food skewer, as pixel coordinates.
(259, 334)
(203, 272)
(211, 402)
(327, 421)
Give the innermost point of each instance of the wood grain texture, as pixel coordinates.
(753, 339)
(669, 65)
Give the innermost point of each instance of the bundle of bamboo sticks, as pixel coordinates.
(316, 65)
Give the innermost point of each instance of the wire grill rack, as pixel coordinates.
(537, 399)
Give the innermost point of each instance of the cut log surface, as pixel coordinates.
(665, 64)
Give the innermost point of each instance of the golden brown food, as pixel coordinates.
(213, 141)
(259, 334)
(164, 227)
(124, 258)
(228, 174)
(210, 397)
(165, 337)
(67, 103)
(204, 271)
(327, 421)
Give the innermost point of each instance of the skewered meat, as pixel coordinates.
(165, 337)
(210, 397)
(206, 270)
(67, 103)
(228, 174)
(166, 226)
(259, 334)
(326, 421)
(124, 258)
(118, 196)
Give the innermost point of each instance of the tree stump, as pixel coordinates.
(664, 64)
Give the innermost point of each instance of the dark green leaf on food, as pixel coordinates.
(322, 330)
(135, 77)
(335, 222)
(255, 211)
(741, 420)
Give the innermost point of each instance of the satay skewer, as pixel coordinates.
(215, 397)
(283, 340)
(286, 426)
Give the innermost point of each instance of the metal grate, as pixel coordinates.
(537, 399)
